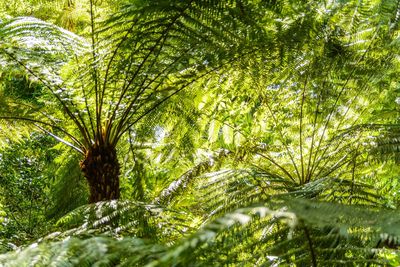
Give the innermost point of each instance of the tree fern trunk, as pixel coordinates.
(101, 169)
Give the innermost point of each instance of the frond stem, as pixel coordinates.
(82, 128)
(34, 122)
(310, 245)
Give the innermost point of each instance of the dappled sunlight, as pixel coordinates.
(199, 133)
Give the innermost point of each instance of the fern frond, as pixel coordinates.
(101, 251)
(46, 44)
(117, 218)
(180, 184)
(258, 235)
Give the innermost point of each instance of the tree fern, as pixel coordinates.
(141, 57)
(292, 186)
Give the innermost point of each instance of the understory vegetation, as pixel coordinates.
(199, 133)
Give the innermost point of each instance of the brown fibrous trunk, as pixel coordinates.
(101, 170)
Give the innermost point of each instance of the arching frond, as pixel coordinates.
(289, 231)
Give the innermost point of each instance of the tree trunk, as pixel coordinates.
(101, 169)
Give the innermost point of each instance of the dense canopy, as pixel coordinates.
(199, 133)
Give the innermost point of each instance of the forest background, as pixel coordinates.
(199, 133)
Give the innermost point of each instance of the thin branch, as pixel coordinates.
(336, 103)
(316, 113)
(141, 91)
(310, 245)
(84, 94)
(277, 165)
(119, 134)
(95, 73)
(60, 139)
(302, 179)
(82, 127)
(125, 118)
(141, 65)
(353, 174)
(110, 63)
(284, 142)
(34, 121)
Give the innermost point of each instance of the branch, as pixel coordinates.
(37, 122)
(82, 127)
(310, 244)
(60, 139)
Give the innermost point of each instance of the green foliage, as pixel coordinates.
(69, 14)
(25, 173)
(89, 252)
(274, 233)
(69, 190)
(251, 133)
